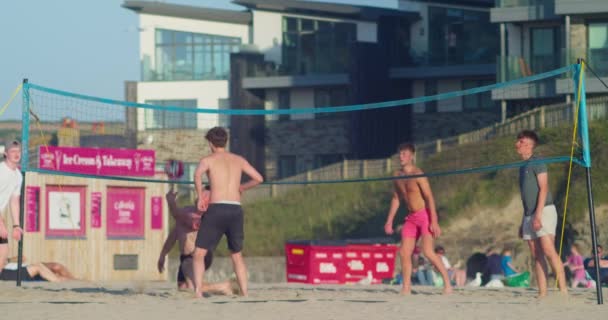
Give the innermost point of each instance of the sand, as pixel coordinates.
(160, 300)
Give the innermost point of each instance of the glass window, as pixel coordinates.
(311, 46)
(287, 166)
(192, 56)
(598, 35)
(598, 47)
(545, 44)
(479, 100)
(330, 97)
(166, 119)
(284, 103)
(459, 36)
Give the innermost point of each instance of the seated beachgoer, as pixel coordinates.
(36, 271)
(506, 263)
(590, 266)
(457, 276)
(493, 267)
(577, 268)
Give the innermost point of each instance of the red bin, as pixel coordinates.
(315, 262)
(375, 259)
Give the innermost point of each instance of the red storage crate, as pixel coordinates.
(361, 259)
(315, 262)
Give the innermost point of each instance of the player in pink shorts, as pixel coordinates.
(416, 224)
(421, 222)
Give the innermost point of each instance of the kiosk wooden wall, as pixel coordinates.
(91, 257)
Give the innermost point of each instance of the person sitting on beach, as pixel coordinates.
(187, 222)
(603, 262)
(493, 267)
(49, 271)
(457, 276)
(424, 272)
(506, 263)
(577, 267)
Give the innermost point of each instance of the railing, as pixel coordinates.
(272, 69)
(520, 3)
(538, 118)
(516, 67)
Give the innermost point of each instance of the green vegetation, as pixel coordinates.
(358, 210)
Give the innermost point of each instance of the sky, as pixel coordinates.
(83, 46)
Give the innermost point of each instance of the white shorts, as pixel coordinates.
(548, 221)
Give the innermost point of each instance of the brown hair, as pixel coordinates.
(406, 146)
(217, 136)
(528, 134)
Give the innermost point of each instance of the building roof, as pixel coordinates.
(347, 11)
(189, 12)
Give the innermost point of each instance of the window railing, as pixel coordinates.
(515, 67)
(272, 69)
(520, 3)
(431, 59)
(151, 74)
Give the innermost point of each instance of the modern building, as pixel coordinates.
(290, 54)
(542, 35)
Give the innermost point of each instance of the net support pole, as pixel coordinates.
(25, 126)
(579, 80)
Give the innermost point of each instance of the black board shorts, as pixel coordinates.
(220, 219)
(11, 275)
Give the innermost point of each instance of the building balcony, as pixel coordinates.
(580, 6)
(516, 67)
(271, 75)
(425, 66)
(522, 10)
(181, 74)
(595, 59)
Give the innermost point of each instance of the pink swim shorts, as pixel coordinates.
(416, 224)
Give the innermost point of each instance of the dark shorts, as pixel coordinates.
(11, 275)
(188, 257)
(3, 240)
(221, 219)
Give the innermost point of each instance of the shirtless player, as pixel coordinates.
(421, 221)
(224, 215)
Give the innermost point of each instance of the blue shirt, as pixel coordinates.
(504, 263)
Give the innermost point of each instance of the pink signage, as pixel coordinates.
(157, 212)
(125, 212)
(32, 209)
(98, 161)
(95, 210)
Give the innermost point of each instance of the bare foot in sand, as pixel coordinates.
(225, 288)
(406, 291)
(448, 290)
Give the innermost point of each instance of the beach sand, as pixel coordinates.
(160, 300)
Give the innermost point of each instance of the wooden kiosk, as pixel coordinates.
(101, 229)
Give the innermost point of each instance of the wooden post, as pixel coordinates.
(364, 164)
(542, 117)
(345, 169)
(389, 163)
(438, 146)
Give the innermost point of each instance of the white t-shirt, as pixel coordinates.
(446, 262)
(10, 184)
